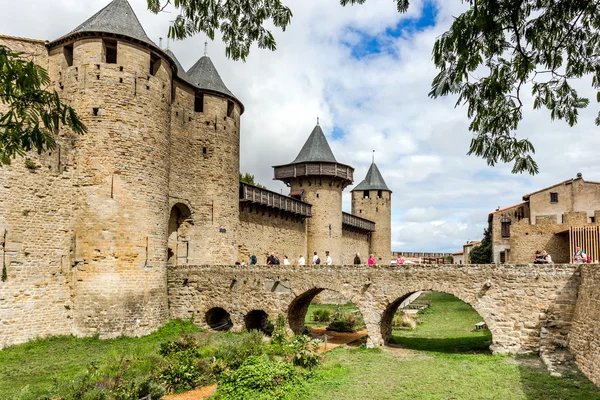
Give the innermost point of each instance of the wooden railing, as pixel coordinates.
(287, 172)
(256, 195)
(358, 222)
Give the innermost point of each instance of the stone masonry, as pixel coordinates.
(526, 307)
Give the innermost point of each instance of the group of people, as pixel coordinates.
(273, 259)
(579, 257)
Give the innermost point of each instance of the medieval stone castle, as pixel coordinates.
(88, 230)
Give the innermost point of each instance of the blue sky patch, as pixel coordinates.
(369, 45)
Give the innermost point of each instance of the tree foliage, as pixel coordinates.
(249, 179)
(489, 57)
(33, 113)
(482, 254)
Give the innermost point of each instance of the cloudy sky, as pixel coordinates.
(365, 71)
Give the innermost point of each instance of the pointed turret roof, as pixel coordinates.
(116, 18)
(180, 70)
(204, 75)
(316, 148)
(373, 180)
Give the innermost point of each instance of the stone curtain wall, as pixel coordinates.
(262, 230)
(526, 307)
(36, 226)
(205, 173)
(584, 338)
(353, 242)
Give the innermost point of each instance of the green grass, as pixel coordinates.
(447, 326)
(29, 370)
(446, 360)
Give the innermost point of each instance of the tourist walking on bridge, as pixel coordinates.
(316, 259)
(400, 259)
(328, 259)
(579, 257)
(301, 260)
(357, 259)
(371, 260)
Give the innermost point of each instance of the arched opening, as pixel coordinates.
(435, 321)
(258, 320)
(218, 319)
(177, 243)
(321, 312)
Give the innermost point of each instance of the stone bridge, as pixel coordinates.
(526, 307)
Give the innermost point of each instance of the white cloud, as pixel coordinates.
(441, 195)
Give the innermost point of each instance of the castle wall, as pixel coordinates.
(205, 153)
(525, 239)
(122, 194)
(262, 230)
(324, 228)
(379, 210)
(36, 233)
(584, 337)
(354, 242)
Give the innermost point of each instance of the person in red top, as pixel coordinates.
(400, 259)
(371, 260)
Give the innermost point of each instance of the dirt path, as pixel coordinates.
(334, 339)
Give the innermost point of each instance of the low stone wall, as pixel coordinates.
(584, 338)
(526, 307)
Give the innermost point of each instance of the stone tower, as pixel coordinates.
(372, 199)
(120, 83)
(319, 179)
(205, 160)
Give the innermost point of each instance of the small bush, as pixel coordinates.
(181, 344)
(321, 315)
(279, 336)
(186, 373)
(305, 351)
(405, 321)
(345, 322)
(238, 349)
(257, 377)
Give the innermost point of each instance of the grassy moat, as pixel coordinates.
(442, 358)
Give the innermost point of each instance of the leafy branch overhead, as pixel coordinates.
(491, 55)
(33, 114)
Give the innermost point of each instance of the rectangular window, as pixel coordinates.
(230, 108)
(505, 229)
(553, 197)
(199, 102)
(154, 64)
(592, 220)
(502, 257)
(110, 48)
(68, 53)
(380, 194)
(365, 194)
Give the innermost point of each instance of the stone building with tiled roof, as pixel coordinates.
(90, 229)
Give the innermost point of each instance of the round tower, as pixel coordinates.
(321, 179)
(372, 199)
(120, 83)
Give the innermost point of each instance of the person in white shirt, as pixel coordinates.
(286, 260)
(328, 258)
(301, 260)
(315, 258)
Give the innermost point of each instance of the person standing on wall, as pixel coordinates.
(357, 259)
(328, 259)
(301, 260)
(316, 259)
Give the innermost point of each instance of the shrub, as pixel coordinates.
(305, 351)
(239, 348)
(321, 315)
(181, 344)
(345, 322)
(186, 373)
(279, 336)
(405, 321)
(257, 377)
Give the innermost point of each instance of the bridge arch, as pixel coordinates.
(402, 294)
(258, 320)
(218, 319)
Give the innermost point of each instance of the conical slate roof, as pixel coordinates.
(116, 18)
(180, 70)
(373, 180)
(204, 75)
(316, 149)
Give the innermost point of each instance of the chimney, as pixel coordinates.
(579, 175)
